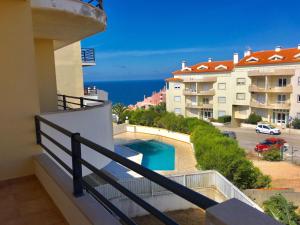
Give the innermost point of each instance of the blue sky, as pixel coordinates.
(148, 39)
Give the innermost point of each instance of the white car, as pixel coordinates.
(267, 129)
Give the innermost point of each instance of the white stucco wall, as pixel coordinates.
(94, 124)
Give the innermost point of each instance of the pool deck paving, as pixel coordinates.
(185, 161)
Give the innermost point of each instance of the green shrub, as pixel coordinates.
(272, 155)
(216, 152)
(253, 119)
(224, 119)
(296, 123)
(213, 150)
(282, 210)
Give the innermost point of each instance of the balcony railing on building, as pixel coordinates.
(53, 137)
(88, 57)
(96, 3)
(199, 106)
(271, 89)
(203, 80)
(279, 72)
(188, 91)
(270, 105)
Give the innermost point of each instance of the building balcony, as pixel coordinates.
(195, 92)
(200, 80)
(286, 89)
(190, 92)
(279, 72)
(208, 92)
(199, 106)
(278, 105)
(63, 21)
(88, 57)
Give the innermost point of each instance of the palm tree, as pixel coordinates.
(118, 109)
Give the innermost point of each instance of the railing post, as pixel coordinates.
(64, 102)
(37, 130)
(77, 167)
(81, 102)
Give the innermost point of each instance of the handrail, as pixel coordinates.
(96, 3)
(79, 184)
(66, 102)
(88, 55)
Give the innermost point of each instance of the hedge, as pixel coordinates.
(213, 150)
(253, 119)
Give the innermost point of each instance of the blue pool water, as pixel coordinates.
(156, 155)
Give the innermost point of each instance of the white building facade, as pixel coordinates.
(266, 83)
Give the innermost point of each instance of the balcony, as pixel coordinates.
(199, 106)
(195, 92)
(69, 156)
(280, 72)
(279, 105)
(88, 57)
(208, 92)
(286, 89)
(63, 21)
(200, 80)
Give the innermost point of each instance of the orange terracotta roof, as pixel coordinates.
(174, 79)
(208, 67)
(264, 57)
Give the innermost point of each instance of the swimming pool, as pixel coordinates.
(156, 155)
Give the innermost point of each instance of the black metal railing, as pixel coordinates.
(66, 102)
(79, 184)
(88, 55)
(96, 3)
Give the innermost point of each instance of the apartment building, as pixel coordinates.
(265, 82)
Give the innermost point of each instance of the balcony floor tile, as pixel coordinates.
(24, 201)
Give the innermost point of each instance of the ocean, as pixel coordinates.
(127, 92)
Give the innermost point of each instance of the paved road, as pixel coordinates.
(248, 138)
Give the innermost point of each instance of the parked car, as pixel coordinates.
(267, 129)
(269, 143)
(230, 134)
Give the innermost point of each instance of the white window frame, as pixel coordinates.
(280, 84)
(205, 100)
(177, 111)
(177, 98)
(221, 86)
(275, 57)
(221, 112)
(252, 59)
(238, 98)
(202, 67)
(281, 98)
(221, 67)
(177, 85)
(222, 97)
(240, 83)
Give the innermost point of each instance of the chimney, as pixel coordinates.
(298, 46)
(183, 65)
(278, 48)
(248, 52)
(235, 58)
(209, 59)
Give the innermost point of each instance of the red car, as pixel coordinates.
(268, 143)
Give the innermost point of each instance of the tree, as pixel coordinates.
(296, 123)
(282, 210)
(253, 118)
(118, 109)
